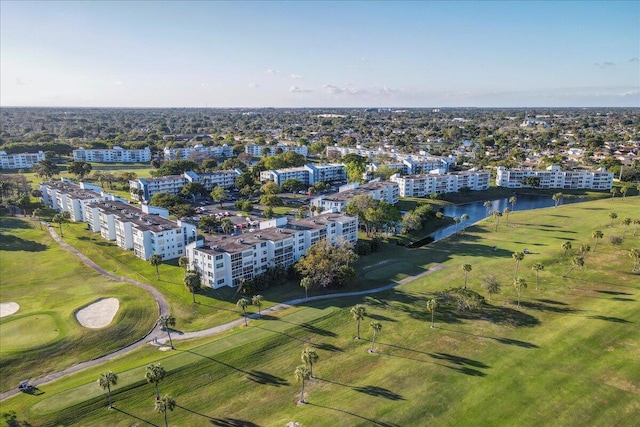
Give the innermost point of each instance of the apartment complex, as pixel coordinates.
(226, 260)
(20, 160)
(197, 152)
(145, 231)
(113, 155)
(255, 150)
(173, 184)
(385, 191)
(555, 177)
(426, 184)
(404, 163)
(308, 174)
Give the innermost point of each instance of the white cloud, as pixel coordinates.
(254, 85)
(118, 82)
(297, 89)
(351, 90)
(636, 59)
(270, 71)
(604, 64)
(332, 89)
(21, 82)
(295, 76)
(203, 85)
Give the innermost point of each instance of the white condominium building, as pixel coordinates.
(67, 196)
(140, 230)
(427, 184)
(255, 150)
(411, 163)
(308, 174)
(20, 160)
(173, 184)
(555, 177)
(113, 155)
(197, 152)
(226, 260)
(385, 191)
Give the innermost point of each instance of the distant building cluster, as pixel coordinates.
(20, 160)
(145, 231)
(173, 184)
(378, 190)
(112, 155)
(255, 150)
(555, 177)
(423, 185)
(228, 260)
(308, 174)
(404, 163)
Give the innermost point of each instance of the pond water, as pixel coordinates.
(477, 211)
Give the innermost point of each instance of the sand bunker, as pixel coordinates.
(8, 308)
(99, 314)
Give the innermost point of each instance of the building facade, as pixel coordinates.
(20, 160)
(227, 260)
(426, 184)
(308, 174)
(255, 150)
(385, 191)
(113, 155)
(197, 152)
(555, 177)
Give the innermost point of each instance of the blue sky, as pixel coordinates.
(320, 54)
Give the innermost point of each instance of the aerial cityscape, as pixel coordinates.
(319, 213)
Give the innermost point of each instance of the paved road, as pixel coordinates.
(163, 308)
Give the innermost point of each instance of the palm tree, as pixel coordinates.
(243, 303)
(577, 261)
(155, 374)
(466, 268)
(431, 307)
(518, 256)
(506, 212)
(164, 405)
(302, 373)
(464, 218)
(567, 247)
(596, 235)
(537, 267)
(358, 312)
(487, 205)
(456, 220)
(623, 191)
(513, 200)
(167, 321)
(584, 249)
(519, 283)
(636, 222)
(626, 222)
(612, 216)
(193, 282)
(106, 380)
(309, 357)
(375, 327)
(226, 225)
(60, 218)
(155, 260)
(557, 198)
(306, 283)
(183, 262)
(257, 300)
(613, 192)
(634, 254)
(497, 215)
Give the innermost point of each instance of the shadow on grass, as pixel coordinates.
(609, 319)
(544, 307)
(379, 392)
(232, 422)
(255, 376)
(14, 243)
(551, 301)
(135, 417)
(12, 223)
(494, 314)
(613, 293)
(501, 340)
(372, 421)
(622, 299)
(458, 360)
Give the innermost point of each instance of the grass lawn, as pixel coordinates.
(50, 285)
(568, 356)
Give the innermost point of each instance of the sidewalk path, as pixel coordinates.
(163, 308)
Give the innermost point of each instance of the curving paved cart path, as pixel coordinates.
(163, 308)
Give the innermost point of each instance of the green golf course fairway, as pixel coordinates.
(568, 356)
(27, 332)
